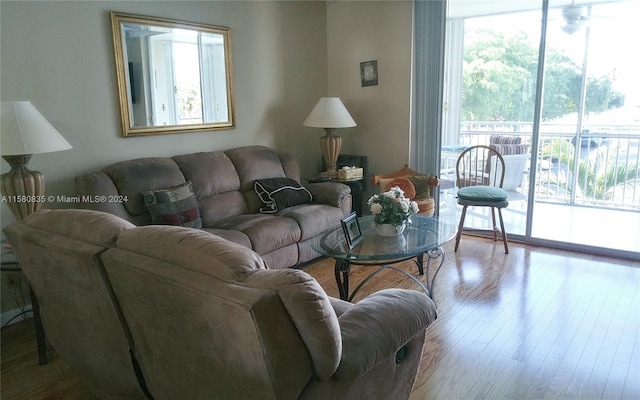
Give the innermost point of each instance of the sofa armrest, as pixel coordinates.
(380, 325)
(331, 193)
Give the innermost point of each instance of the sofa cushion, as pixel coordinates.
(173, 206)
(423, 184)
(134, 177)
(404, 184)
(267, 232)
(192, 249)
(255, 162)
(279, 193)
(314, 219)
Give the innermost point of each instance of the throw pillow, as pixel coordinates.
(405, 185)
(423, 185)
(279, 193)
(173, 206)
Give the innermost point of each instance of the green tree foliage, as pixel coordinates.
(499, 79)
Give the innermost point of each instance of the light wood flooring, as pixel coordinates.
(536, 323)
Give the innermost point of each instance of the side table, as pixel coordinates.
(356, 190)
(9, 263)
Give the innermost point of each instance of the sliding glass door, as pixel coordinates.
(587, 188)
(570, 139)
(490, 81)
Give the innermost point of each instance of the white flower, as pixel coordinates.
(392, 207)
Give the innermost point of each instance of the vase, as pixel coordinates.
(389, 230)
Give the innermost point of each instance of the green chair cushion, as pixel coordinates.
(482, 193)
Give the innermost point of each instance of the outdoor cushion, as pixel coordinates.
(482, 193)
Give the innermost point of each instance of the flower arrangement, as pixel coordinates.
(392, 207)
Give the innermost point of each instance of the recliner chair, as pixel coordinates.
(207, 319)
(58, 253)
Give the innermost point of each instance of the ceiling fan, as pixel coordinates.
(575, 18)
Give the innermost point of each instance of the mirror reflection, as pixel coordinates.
(173, 76)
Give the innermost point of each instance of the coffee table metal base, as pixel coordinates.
(343, 271)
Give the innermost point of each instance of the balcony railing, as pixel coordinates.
(598, 167)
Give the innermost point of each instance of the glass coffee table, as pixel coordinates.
(425, 235)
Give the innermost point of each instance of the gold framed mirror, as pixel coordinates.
(173, 76)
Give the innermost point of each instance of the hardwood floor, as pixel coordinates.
(536, 323)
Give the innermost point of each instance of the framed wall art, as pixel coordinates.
(369, 73)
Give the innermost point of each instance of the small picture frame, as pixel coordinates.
(351, 228)
(369, 73)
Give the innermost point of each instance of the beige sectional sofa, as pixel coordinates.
(226, 202)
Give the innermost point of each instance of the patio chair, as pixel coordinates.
(515, 156)
(480, 174)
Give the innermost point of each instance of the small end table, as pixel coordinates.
(10, 263)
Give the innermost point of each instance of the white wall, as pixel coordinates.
(364, 31)
(58, 55)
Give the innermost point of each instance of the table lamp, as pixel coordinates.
(24, 132)
(330, 114)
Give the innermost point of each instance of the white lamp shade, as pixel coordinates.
(25, 131)
(329, 113)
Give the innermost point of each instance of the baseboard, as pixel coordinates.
(15, 315)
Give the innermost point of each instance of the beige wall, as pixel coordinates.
(286, 56)
(364, 31)
(59, 56)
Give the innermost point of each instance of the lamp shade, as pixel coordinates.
(25, 131)
(329, 113)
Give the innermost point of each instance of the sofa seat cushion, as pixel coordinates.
(231, 235)
(313, 219)
(266, 232)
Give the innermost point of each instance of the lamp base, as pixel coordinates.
(22, 188)
(330, 145)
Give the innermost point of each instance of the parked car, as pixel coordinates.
(588, 139)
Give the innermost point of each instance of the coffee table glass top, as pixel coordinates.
(424, 233)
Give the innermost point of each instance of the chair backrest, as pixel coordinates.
(480, 165)
(210, 321)
(57, 251)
